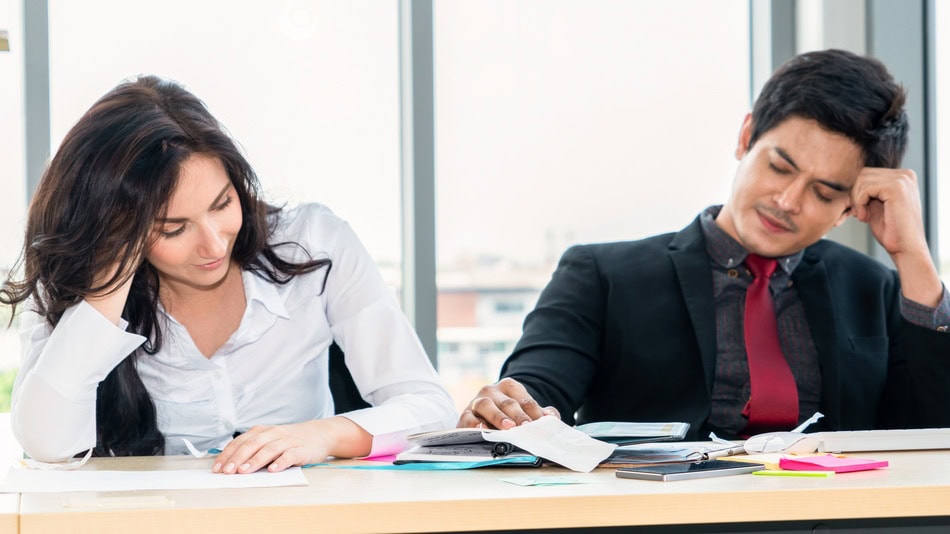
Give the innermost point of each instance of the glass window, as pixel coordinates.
(561, 122)
(12, 180)
(507, 306)
(310, 89)
(942, 61)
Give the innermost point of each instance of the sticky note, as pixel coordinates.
(829, 462)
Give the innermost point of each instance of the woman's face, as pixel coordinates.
(193, 242)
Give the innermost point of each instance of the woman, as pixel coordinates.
(167, 300)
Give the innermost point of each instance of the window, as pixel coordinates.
(12, 180)
(317, 124)
(561, 122)
(942, 61)
(507, 306)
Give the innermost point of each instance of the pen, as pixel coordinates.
(728, 451)
(822, 474)
(501, 448)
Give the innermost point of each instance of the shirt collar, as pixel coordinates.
(258, 289)
(727, 252)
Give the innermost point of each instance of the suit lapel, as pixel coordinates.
(811, 280)
(691, 262)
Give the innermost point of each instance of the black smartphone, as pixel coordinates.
(709, 468)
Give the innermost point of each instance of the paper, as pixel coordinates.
(547, 438)
(468, 452)
(770, 460)
(196, 453)
(551, 439)
(624, 433)
(532, 461)
(34, 481)
(663, 453)
(454, 436)
(65, 466)
(543, 481)
(830, 463)
(387, 458)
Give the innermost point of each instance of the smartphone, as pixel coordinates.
(709, 468)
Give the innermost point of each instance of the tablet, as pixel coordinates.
(709, 468)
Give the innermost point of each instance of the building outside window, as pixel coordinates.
(562, 122)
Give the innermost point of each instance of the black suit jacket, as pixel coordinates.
(626, 332)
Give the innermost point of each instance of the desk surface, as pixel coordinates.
(9, 503)
(917, 484)
(9, 507)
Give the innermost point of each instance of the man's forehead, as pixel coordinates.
(809, 148)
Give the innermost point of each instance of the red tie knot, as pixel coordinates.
(760, 267)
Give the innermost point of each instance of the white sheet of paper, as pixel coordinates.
(551, 439)
(20, 480)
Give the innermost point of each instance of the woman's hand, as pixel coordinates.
(110, 300)
(279, 447)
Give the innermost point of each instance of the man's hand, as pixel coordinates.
(888, 200)
(503, 405)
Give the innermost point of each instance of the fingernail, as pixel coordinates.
(508, 423)
(245, 467)
(216, 468)
(273, 467)
(229, 468)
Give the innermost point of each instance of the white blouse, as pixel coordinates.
(273, 369)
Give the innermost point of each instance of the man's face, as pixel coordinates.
(791, 187)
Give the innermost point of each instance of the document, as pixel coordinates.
(19, 480)
(671, 453)
(625, 433)
(546, 438)
(463, 452)
(618, 433)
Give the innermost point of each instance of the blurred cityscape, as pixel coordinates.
(481, 307)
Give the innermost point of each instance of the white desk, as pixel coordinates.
(917, 485)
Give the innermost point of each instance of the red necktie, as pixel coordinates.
(773, 404)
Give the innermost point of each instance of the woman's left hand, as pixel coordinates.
(279, 447)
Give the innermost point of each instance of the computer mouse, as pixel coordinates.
(792, 442)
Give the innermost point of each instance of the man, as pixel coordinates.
(656, 330)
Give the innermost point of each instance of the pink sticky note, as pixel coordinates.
(390, 458)
(830, 462)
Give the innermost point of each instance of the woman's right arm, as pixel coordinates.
(54, 396)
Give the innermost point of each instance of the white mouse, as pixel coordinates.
(792, 442)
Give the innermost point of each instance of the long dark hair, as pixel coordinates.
(95, 206)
